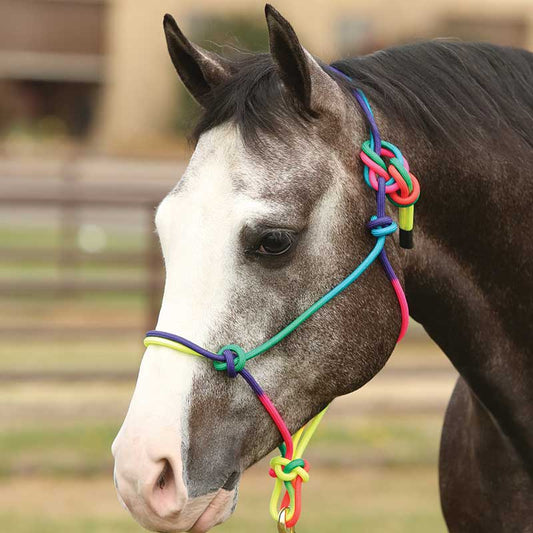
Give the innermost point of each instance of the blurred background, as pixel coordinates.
(93, 126)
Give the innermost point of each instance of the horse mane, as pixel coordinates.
(450, 91)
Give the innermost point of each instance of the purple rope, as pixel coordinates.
(387, 266)
(365, 108)
(189, 344)
(370, 117)
(382, 220)
(380, 197)
(251, 381)
(228, 358)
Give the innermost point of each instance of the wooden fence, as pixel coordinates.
(68, 196)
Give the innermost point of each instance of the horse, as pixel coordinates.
(270, 214)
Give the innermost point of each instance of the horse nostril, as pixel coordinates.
(166, 477)
(232, 481)
(166, 499)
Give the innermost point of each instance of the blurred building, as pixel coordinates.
(51, 64)
(98, 69)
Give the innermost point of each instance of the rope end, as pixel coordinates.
(406, 239)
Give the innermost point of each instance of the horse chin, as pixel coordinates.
(198, 515)
(218, 511)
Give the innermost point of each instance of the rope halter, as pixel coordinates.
(401, 187)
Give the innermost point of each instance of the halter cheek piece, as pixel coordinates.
(401, 187)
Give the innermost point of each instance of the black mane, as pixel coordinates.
(453, 92)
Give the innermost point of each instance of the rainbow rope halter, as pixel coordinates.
(397, 183)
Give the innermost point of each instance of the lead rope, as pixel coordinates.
(290, 469)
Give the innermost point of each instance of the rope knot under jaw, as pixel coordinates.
(235, 359)
(287, 470)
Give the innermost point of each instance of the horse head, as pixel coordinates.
(269, 215)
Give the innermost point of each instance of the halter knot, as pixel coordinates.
(235, 359)
(381, 226)
(402, 187)
(287, 470)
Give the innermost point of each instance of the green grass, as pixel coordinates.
(33, 237)
(86, 271)
(49, 238)
(76, 449)
(379, 439)
(380, 521)
(64, 352)
(28, 523)
(78, 446)
(90, 301)
(383, 500)
(68, 355)
(70, 494)
(29, 236)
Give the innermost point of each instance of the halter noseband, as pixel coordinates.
(401, 187)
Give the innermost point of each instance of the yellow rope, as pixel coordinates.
(300, 440)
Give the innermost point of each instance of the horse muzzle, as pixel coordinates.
(149, 483)
(150, 475)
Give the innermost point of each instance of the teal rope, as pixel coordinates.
(287, 330)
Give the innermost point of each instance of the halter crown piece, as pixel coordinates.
(401, 187)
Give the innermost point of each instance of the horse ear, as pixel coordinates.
(199, 69)
(299, 71)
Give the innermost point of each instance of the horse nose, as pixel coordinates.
(148, 477)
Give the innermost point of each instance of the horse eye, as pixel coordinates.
(275, 243)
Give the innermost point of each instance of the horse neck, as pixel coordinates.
(463, 278)
(468, 271)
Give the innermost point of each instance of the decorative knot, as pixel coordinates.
(381, 226)
(235, 359)
(401, 186)
(287, 470)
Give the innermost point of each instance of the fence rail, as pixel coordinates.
(68, 196)
(12, 254)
